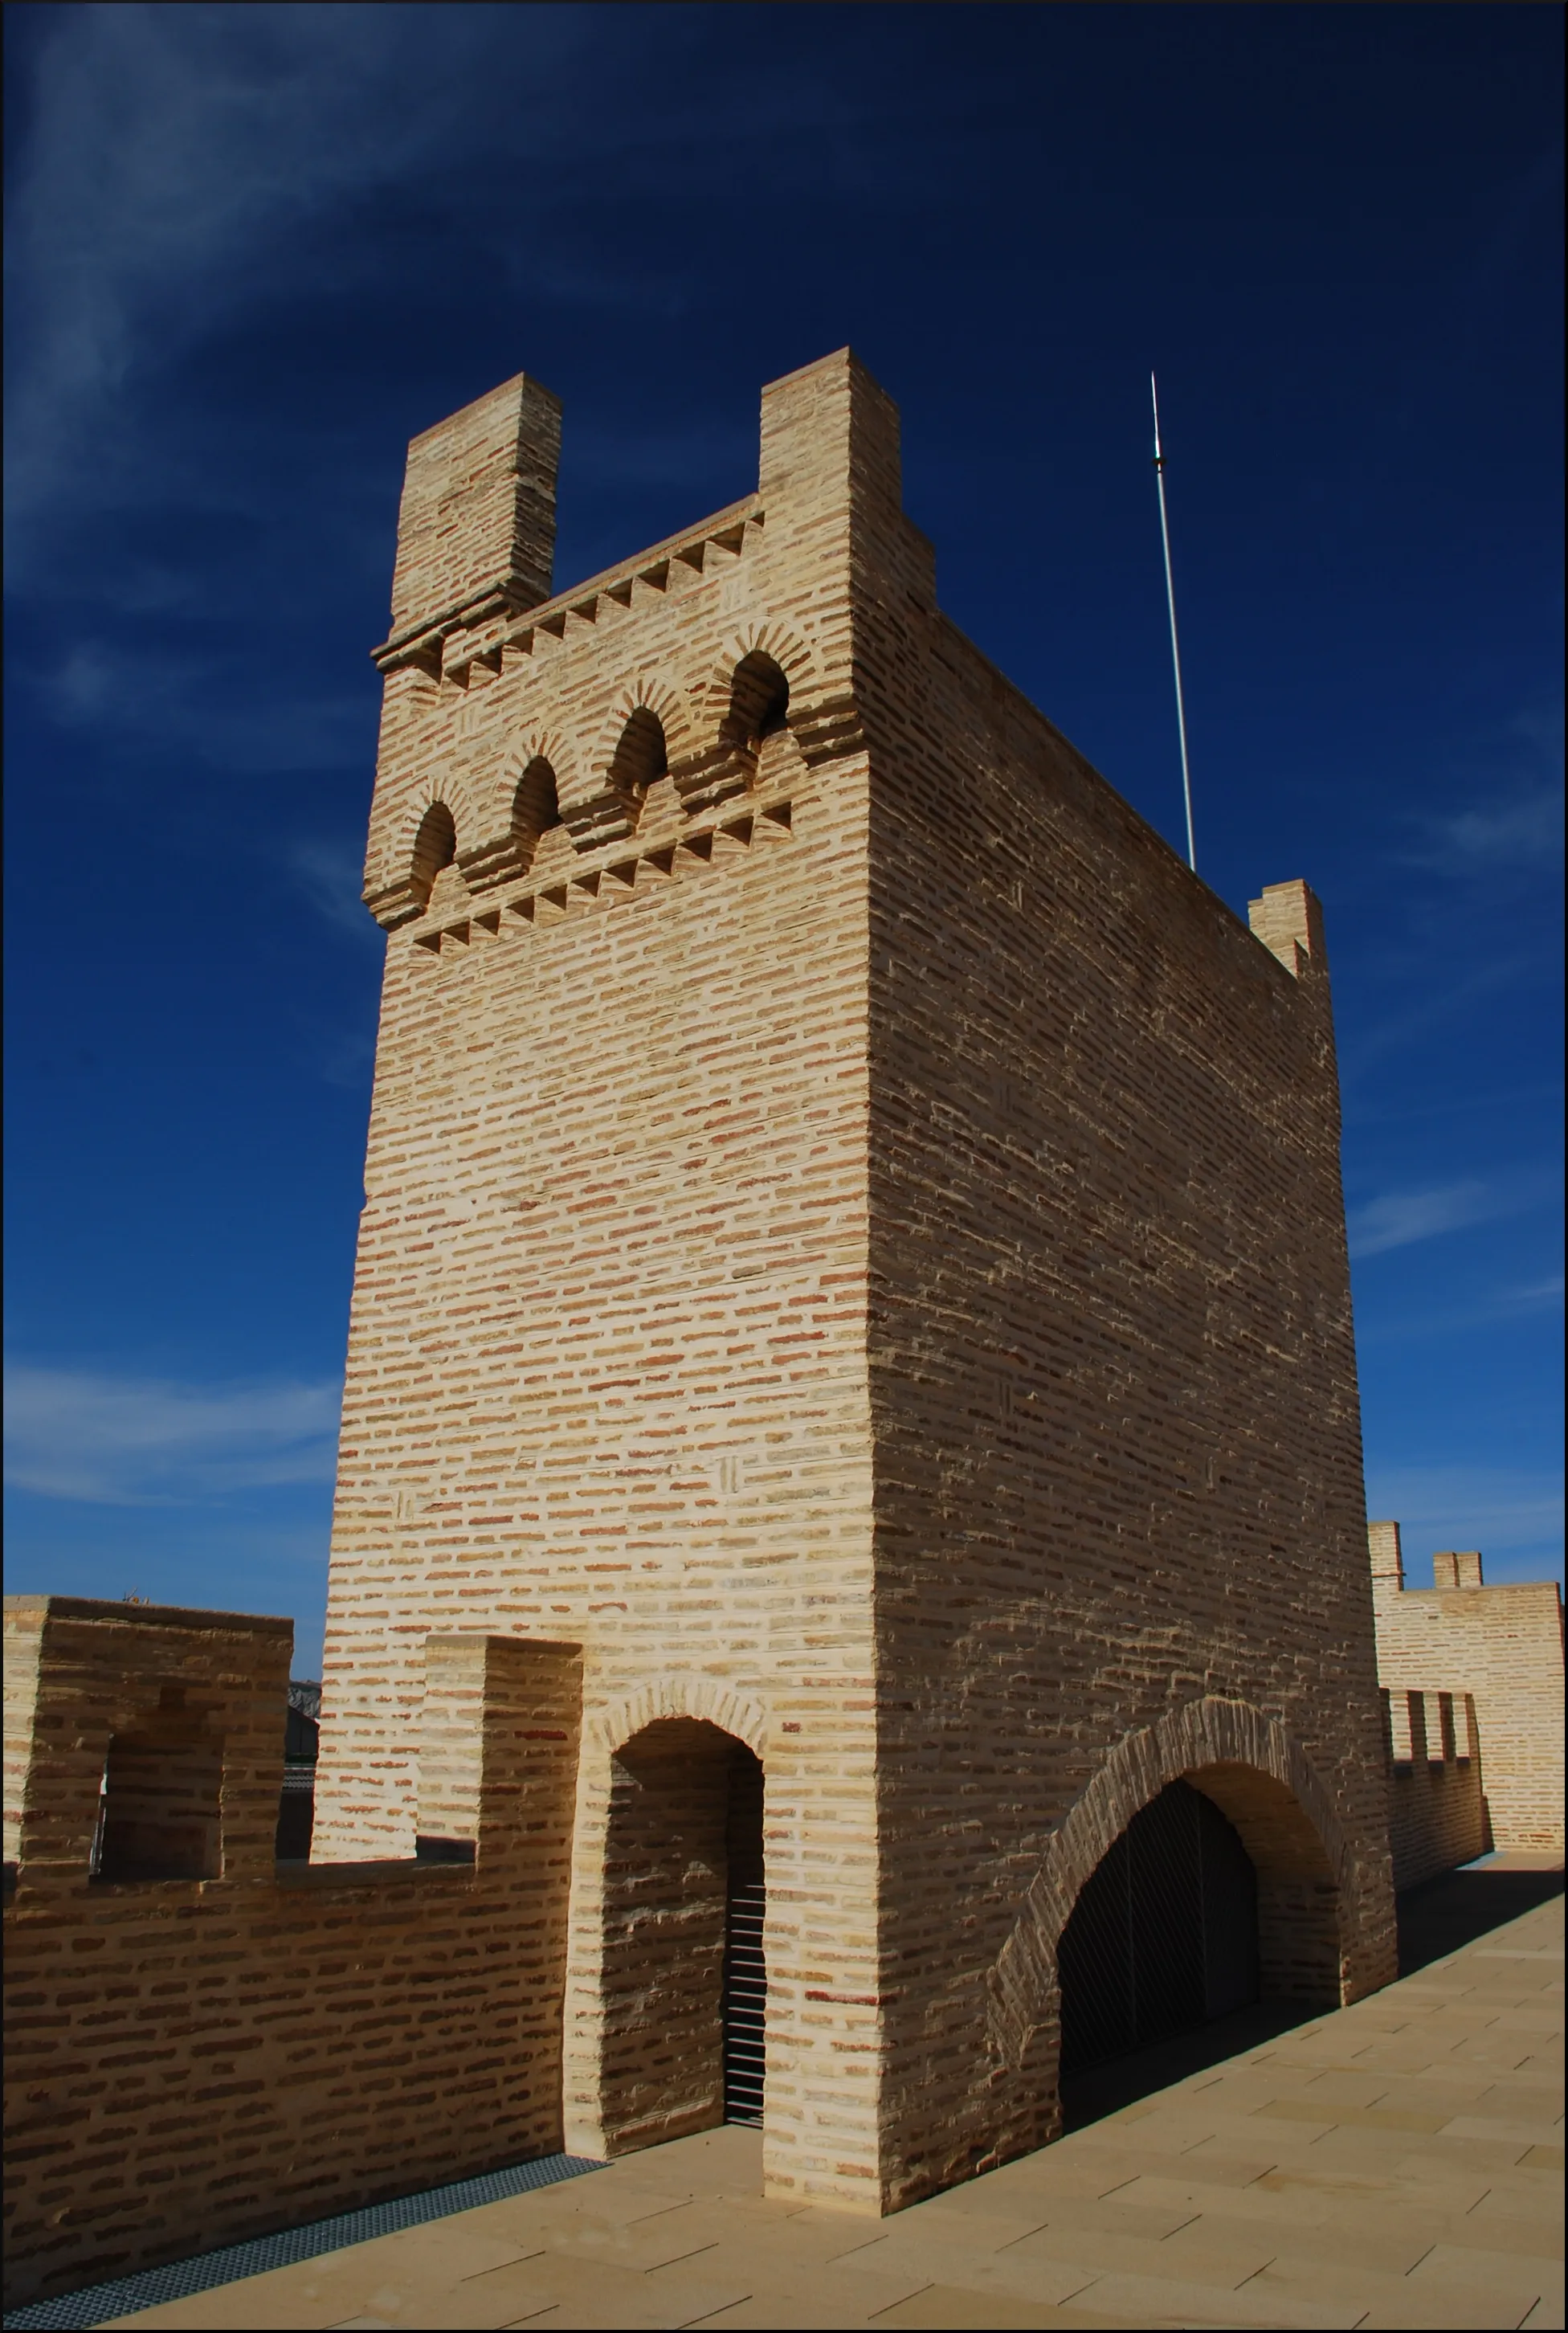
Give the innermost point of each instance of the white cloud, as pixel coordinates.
(200, 706)
(173, 157)
(118, 1441)
(1503, 1511)
(1524, 830)
(1399, 1218)
(1535, 1291)
(1512, 820)
(331, 877)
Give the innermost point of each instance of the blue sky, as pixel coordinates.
(253, 249)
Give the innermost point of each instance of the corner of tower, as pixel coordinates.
(1288, 920)
(829, 459)
(476, 527)
(1386, 1556)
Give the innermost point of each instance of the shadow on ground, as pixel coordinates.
(1434, 1919)
(1443, 1914)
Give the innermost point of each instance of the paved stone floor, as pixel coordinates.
(1396, 2164)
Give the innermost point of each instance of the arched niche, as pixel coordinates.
(640, 757)
(1163, 1938)
(759, 702)
(535, 807)
(1261, 1780)
(434, 849)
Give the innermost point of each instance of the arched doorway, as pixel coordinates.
(683, 1983)
(1164, 1934)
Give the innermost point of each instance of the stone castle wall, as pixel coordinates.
(853, 1253)
(850, 1217)
(1437, 1798)
(193, 2061)
(1503, 1647)
(1113, 1374)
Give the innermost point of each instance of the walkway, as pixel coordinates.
(1396, 2164)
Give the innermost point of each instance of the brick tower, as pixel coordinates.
(854, 1243)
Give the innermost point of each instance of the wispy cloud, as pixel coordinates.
(1500, 1510)
(1534, 1292)
(169, 149)
(121, 1441)
(181, 169)
(1436, 1003)
(331, 877)
(1509, 821)
(203, 706)
(1525, 829)
(1400, 1218)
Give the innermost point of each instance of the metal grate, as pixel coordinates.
(96, 2304)
(745, 1998)
(1167, 1915)
(1163, 1936)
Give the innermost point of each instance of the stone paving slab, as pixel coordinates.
(1394, 2164)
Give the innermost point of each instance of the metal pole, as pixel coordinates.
(1175, 649)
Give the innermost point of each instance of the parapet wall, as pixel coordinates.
(1436, 1799)
(193, 2061)
(1503, 1647)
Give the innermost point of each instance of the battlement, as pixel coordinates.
(449, 645)
(1437, 1802)
(244, 2009)
(523, 726)
(476, 529)
(1501, 1645)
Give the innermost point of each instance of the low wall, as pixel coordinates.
(1504, 1647)
(1437, 1802)
(194, 2060)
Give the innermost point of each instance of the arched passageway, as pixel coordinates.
(684, 1896)
(1163, 1936)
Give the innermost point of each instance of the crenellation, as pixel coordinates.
(456, 642)
(476, 529)
(1498, 1650)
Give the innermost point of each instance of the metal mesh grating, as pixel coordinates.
(745, 1977)
(1163, 1934)
(95, 2304)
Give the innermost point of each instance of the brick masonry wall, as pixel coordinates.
(192, 2062)
(1503, 1647)
(477, 521)
(853, 1242)
(653, 1087)
(1114, 1390)
(23, 1644)
(607, 1360)
(1436, 1804)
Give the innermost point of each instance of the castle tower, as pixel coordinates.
(854, 1242)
